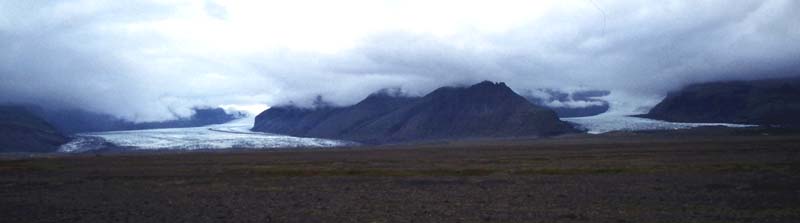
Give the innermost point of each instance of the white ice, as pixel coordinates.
(234, 134)
(237, 134)
(619, 116)
(619, 122)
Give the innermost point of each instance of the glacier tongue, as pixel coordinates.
(616, 122)
(235, 134)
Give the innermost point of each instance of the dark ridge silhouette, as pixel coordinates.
(327, 121)
(21, 130)
(77, 121)
(763, 102)
(483, 110)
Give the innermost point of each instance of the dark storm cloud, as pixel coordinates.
(104, 56)
(644, 47)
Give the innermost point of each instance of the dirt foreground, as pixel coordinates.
(612, 178)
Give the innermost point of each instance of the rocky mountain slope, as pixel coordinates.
(78, 121)
(766, 102)
(483, 110)
(23, 131)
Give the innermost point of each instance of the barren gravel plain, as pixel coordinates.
(619, 177)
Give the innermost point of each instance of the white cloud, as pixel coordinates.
(144, 60)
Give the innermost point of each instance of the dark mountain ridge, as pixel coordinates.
(21, 130)
(483, 110)
(763, 102)
(78, 121)
(327, 121)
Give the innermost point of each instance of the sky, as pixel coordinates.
(155, 60)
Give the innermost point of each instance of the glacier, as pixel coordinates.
(621, 116)
(235, 134)
(609, 122)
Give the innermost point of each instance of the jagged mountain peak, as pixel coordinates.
(490, 84)
(389, 92)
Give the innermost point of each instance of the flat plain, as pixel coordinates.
(627, 177)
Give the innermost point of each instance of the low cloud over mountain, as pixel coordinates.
(152, 60)
(482, 110)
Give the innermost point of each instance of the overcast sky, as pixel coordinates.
(150, 60)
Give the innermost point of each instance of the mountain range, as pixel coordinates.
(485, 109)
(21, 130)
(762, 102)
(78, 121)
(25, 128)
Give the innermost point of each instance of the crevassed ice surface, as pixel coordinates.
(617, 122)
(235, 134)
